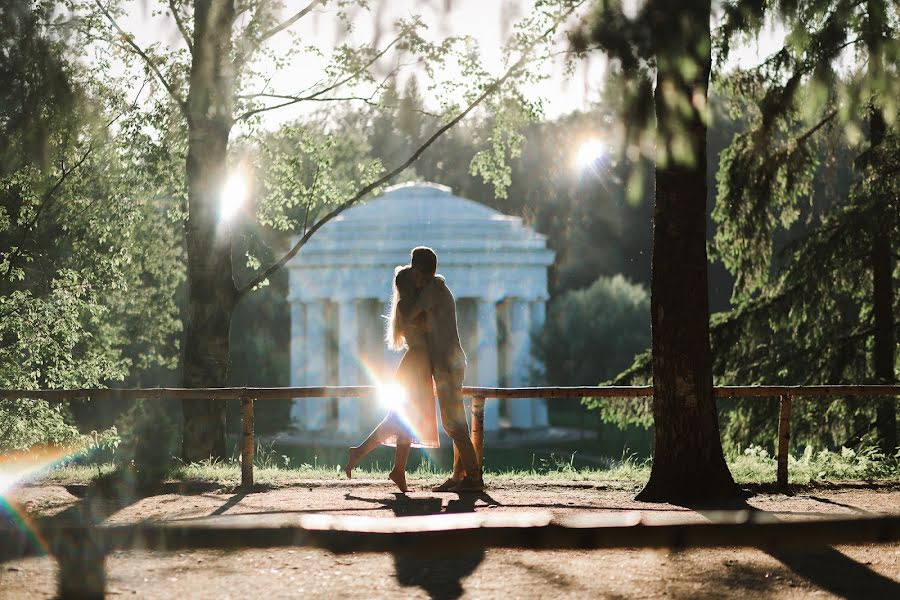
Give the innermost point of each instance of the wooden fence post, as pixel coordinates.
(478, 428)
(247, 443)
(784, 438)
(82, 564)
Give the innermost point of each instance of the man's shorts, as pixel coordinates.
(450, 400)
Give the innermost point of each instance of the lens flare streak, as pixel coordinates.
(17, 468)
(392, 396)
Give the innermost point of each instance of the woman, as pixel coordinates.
(413, 421)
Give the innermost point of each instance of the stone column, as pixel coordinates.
(538, 405)
(487, 360)
(316, 369)
(519, 361)
(391, 359)
(298, 362)
(348, 364)
(370, 355)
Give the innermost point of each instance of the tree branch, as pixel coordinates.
(490, 89)
(181, 27)
(295, 99)
(45, 201)
(129, 40)
(812, 130)
(249, 46)
(285, 24)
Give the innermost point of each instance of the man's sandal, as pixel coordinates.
(447, 486)
(468, 485)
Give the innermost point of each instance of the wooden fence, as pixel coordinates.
(248, 396)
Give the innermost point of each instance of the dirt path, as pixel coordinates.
(867, 571)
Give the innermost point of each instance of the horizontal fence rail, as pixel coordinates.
(359, 391)
(249, 395)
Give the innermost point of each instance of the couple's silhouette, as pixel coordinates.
(422, 321)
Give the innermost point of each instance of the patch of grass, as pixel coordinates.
(562, 468)
(753, 466)
(76, 474)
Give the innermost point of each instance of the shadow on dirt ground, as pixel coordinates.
(404, 506)
(821, 565)
(440, 577)
(860, 571)
(96, 502)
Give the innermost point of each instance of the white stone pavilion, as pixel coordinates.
(340, 286)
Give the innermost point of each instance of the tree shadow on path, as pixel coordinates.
(821, 565)
(96, 502)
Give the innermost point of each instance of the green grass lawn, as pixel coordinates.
(754, 466)
(583, 454)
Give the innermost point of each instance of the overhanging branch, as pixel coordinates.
(252, 45)
(129, 41)
(317, 95)
(822, 122)
(287, 23)
(181, 27)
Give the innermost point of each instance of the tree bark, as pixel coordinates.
(882, 304)
(688, 462)
(212, 294)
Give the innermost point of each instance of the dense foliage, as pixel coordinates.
(810, 315)
(89, 265)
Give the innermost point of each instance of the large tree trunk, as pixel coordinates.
(882, 310)
(211, 291)
(688, 463)
(882, 296)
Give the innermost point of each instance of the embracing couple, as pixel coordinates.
(422, 321)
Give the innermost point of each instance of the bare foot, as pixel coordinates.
(399, 477)
(352, 461)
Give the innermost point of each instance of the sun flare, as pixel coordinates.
(234, 194)
(589, 152)
(391, 395)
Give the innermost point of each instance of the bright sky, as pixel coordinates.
(489, 21)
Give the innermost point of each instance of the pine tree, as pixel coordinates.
(824, 310)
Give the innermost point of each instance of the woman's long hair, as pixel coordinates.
(404, 294)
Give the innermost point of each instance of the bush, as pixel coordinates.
(591, 335)
(594, 333)
(29, 422)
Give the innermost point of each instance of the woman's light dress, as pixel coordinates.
(417, 413)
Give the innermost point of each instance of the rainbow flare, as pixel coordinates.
(19, 467)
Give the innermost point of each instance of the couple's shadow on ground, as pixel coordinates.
(439, 575)
(403, 505)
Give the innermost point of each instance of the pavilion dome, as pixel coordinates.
(419, 203)
(413, 214)
(379, 234)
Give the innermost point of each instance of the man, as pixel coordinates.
(448, 365)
